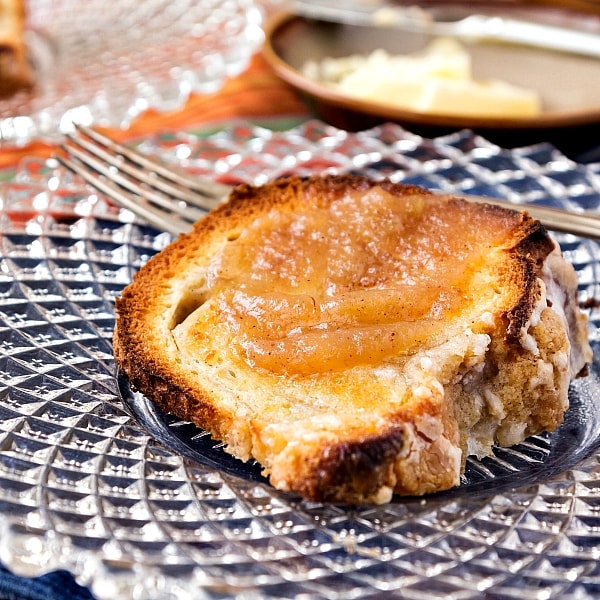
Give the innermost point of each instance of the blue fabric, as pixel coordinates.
(58, 585)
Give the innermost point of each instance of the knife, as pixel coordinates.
(474, 27)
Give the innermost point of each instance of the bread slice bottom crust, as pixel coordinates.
(497, 372)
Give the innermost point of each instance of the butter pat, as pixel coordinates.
(438, 80)
(476, 98)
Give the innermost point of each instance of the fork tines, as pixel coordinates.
(160, 195)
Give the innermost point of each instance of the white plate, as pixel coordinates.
(107, 62)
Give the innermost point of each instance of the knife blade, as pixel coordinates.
(474, 27)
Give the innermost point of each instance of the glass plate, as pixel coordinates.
(95, 480)
(107, 62)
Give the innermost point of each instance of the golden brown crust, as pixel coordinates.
(532, 247)
(15, 71)
(421, 415)
(350, 469)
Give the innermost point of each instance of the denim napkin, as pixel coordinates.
(58, 585)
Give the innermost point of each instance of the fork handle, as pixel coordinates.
(556, 219)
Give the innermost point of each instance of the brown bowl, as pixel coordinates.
(568, 84)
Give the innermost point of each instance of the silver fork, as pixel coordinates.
(172, 201)
(160, 195)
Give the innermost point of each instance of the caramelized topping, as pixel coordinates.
(362, 281)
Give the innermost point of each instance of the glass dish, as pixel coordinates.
(137, 504)
(107, 62)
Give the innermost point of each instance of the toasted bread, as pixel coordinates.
(15, 71)
(357, 338)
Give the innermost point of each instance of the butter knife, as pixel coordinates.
(474, 27)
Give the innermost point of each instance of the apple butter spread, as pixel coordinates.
(364, 280)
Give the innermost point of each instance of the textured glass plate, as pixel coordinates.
(107, 62)
(138, 504)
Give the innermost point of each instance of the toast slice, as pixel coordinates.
(357, 338)
(15, 72)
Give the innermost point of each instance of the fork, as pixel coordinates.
(158, 194)
(172, 201)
